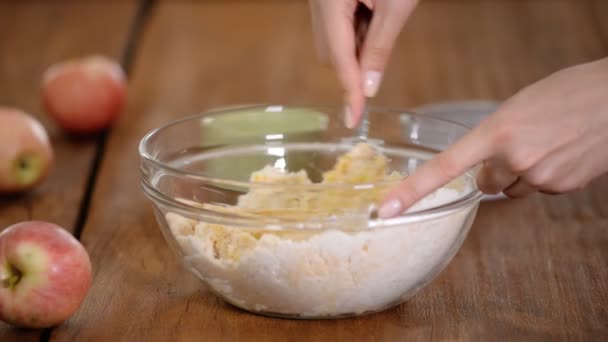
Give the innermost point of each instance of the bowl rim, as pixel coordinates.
(154, 194)
(147, 157)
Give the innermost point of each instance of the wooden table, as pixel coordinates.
(530, 269)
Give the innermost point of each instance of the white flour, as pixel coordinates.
(323, 273)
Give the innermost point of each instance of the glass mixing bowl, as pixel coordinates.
(302, 248)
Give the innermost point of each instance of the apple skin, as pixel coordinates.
(84, 96)
(26, 154)
(53, 278)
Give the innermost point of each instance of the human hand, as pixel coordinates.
(333, 26)
(550, 137)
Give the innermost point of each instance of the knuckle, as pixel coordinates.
(518, 163)
(521, 160)
(539, 177)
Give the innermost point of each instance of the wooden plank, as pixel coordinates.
(493, 50)
(533, 268)
(33, 35)
(600, 12)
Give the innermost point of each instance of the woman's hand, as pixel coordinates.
(551, 137)
(333, 26)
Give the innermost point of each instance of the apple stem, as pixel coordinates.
(23, 164)
(27, 168)
(10, 278)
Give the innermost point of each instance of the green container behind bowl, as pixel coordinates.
(257, 126)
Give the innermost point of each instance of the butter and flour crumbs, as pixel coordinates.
(314, 273)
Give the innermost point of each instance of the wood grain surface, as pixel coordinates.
(599, 8)
(530, 269)
(33, 35)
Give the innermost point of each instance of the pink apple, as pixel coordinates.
(86, 95)
(45, 274)
(25, 151)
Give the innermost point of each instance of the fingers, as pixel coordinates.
(520, 188)
(495, 176)
(335, 38)
(387, 22)
(453, 162)
(338, 29)
(561, 171)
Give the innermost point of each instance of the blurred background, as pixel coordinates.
(183, 57)
(186, 56)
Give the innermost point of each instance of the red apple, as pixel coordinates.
(45, 274)
(25, 151)
(86, 95)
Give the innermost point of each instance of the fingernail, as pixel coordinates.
(391, 208)
(101, 62)
(371, 83)
(348, 117)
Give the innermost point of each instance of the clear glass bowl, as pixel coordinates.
(307, 250)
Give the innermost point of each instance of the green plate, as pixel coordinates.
(257, 127)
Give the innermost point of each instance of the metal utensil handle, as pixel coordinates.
(362, 19)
